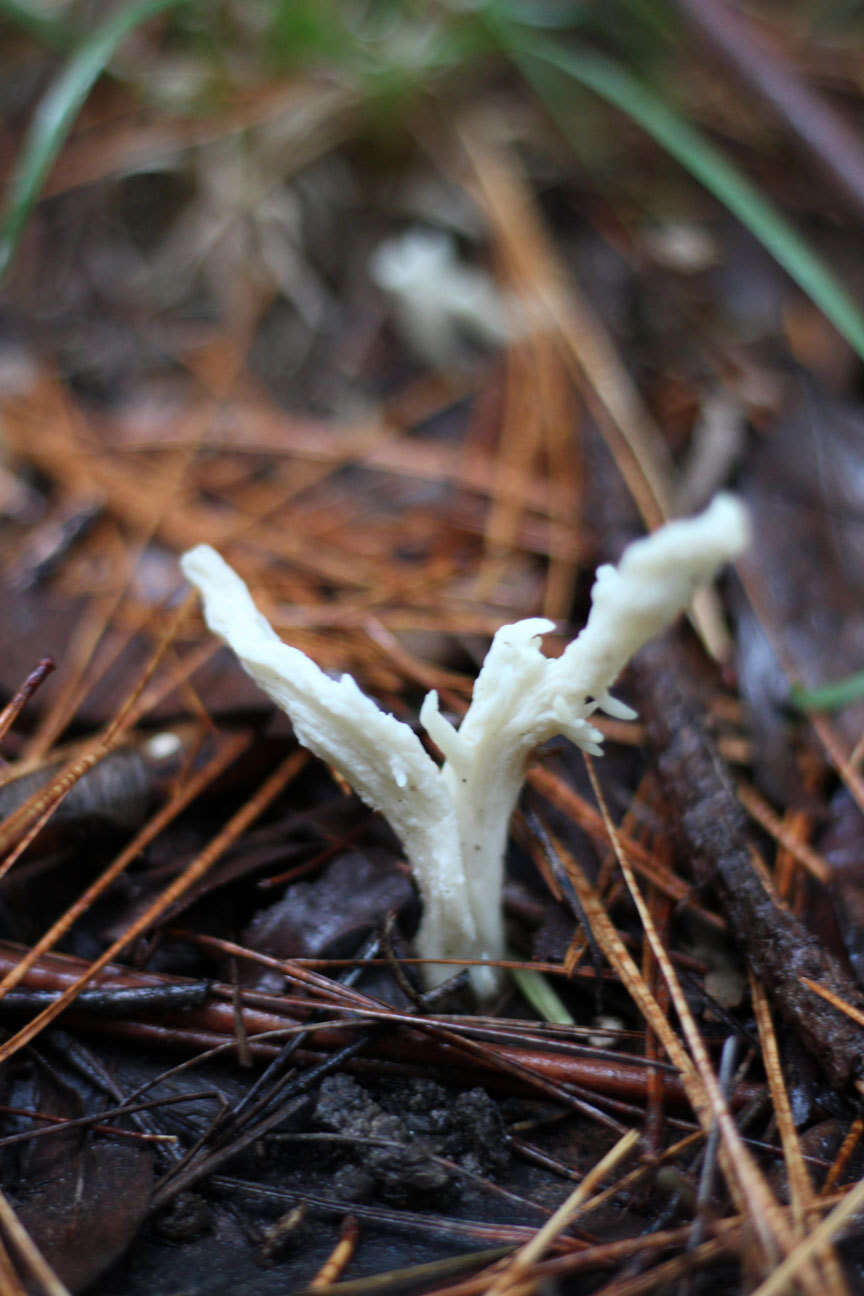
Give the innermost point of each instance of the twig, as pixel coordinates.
(713, 834)
(13, 707)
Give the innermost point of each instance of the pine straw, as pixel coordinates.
(320, 558)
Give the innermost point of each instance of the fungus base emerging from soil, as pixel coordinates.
(453, 819)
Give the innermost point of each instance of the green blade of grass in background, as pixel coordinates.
(828, 697)
(544, 64)
(56, 113)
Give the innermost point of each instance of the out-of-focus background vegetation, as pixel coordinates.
(205, 180)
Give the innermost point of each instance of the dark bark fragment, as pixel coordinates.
(714, 836)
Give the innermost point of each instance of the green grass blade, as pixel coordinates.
(537, 989)
(56, 113)
(540, 59)
(828, 697)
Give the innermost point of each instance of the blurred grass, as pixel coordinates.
(57, 111)
(828, 697)
(549, 68)
(397, 51)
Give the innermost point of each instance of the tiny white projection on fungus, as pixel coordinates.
(453, 821)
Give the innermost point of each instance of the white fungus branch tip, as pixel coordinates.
(453, 820)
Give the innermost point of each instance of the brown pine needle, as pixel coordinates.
(646, 863)
(834, 1000)
(756, 806)
(182, 797)
(10, 1283)
(800, 1188)
(822, 1234)
(848, 1146)
(636, 442)
(562, 1218)
(334, 1266)
(760, 601)
(839, 759)
(827, 1273)
(235, 827)
(662, 1277)
(745, 1179)
(617, 954)
(30, 1254)
(18, 823)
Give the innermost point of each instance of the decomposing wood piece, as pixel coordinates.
(712, 827)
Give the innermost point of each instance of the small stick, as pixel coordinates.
(14, 706)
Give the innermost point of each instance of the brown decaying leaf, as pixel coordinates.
(104, 1191)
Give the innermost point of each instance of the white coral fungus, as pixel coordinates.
(453, 820)
(434, 294)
